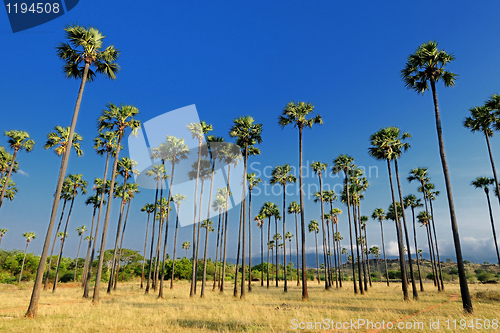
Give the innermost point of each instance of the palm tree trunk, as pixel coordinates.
(437, 248)
(223, 277)
(160, 295)
(338, 258)
(91, 262)
(22, 266)
(284, 245)
(198, 235)
(77, 255)
(53, 245)
(363, 253)
(35, 295)
(305, 294)
(493, 226)
(367, 257)
(152, 239)
(121, 245)
(62, 242)
(144, 257)
(464, 289)
(235, 291)
(221, 246)
(413, 284)
(493, 169)
(276, 259)
(87, 257)
(202, 294)
(217, 252)
(7, 178)
(175, 244)
(360, 276)
(97, 285)
(383, 249)
(261, 256)
(317, 257)
(416, 249)
(330, 257)
(350, 230)
(268, 242)
(400, 238)
(325, 259)
(431, 246)
(154, 282)
(192, 291)
(243, 213)
(249, 239)
(297, 241)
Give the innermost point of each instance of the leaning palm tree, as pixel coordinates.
(412, 202)
(318, 169)
(29, 236)
(313, 227)
(294, 208)
(148, 208)
(482, 119)
(247, 134)
(80, 230)
(427, 65)
(84, 47)
(484, 183)
(18, 140)
(300, 116)
(2, 232)
(118, 119)
(253, 181)
(345, 163)
(177, 199)
(281, 175)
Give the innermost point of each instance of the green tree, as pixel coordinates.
(252, 182)
(29, 237)
(294, 208)
(83, 49)
(412, 202)
(186, 245)
(17, 140)
(148, 208)
(427, 65)
(80, 230)
(59, 139)
(11, 191)
(177, 200)
(313, 227)
(219, 205)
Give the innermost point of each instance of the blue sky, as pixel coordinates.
(251, 58)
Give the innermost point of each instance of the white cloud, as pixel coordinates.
(23, 173)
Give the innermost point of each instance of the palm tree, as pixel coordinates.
(281, 175)
(268, 210)
(252, 182)
(148, 208)
(5, 163)
(276, 237)
(198, 131)
(334, 213)
(300, 116)
(2, 232)
(294, 208)
(75, 183)
(289, 236)
(85, 45)
(482, 118)
(105, 143)
(484, 183)
(313, 227)
(117, 119)
(177, 199)
(424, 219)
(59, 139)
(186, 245)
(18, 140)
(81, 230)
(29, 236)
(126, 168)
(247, 134)
(374, 250)
(427, 64)
(379, 214)
(318, 169)
(363, 220)
(412, 202)
(260, 224)
(345, 163)
(11, 191)
(385, 147)
(208, 225)
(219, 205)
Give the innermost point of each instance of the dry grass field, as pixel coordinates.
(263, 310)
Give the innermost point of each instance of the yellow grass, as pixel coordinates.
(263, 310)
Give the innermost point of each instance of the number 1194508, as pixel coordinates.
(38, 8)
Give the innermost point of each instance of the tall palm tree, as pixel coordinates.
(148, 208)
(289, 236)
(18, 140)
(424, 219)
(186, 245)
(59, 139)
(2, 232)
(294, 208)
(318, 169)
(268, 210)
(427, 65)
(363, 220)
(106, 143)
(198, 131)
(80, 230)
(253, 181)
(177, 199)
(29, 236)
(482, 119)
(281, 175)
(208, 225)
(379, 214)
(247, 134)
(219, 205)
(76, 184)
(300, 115)
(355, 190)
(84, 47)
(412, 202)
(334, 216)
(260, 224)
(484, 183)
(117, 119)
(384, 147)
(314, 227)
